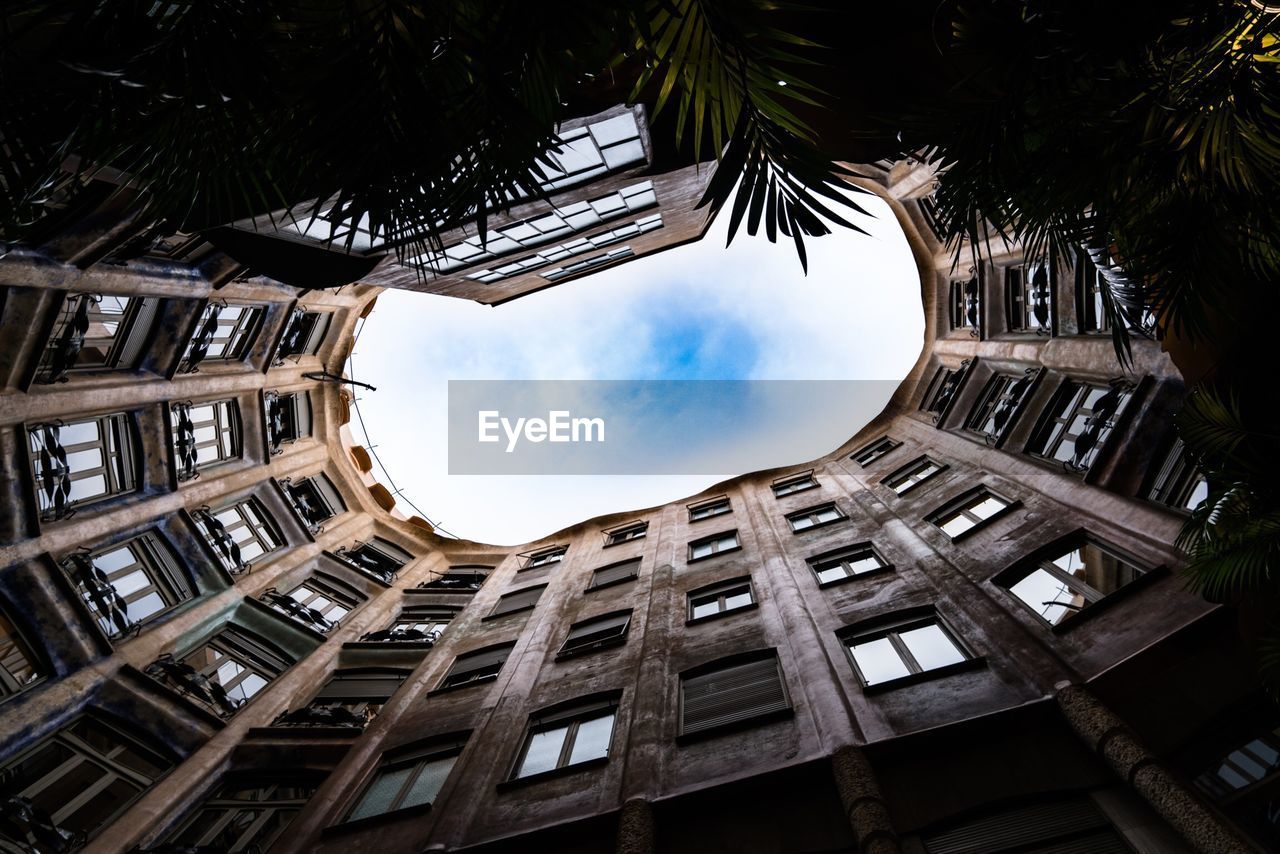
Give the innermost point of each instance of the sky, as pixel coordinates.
(697, 312)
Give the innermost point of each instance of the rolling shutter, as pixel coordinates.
(361, 686)
(616, 572)
(479, 660)
(735, 693)
(518, 600)
(1073, 826)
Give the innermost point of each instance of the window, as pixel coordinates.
(204, 434)
(1077, 423)
(1091, 306)
(305, 333)
(288, 418)
(127, 584)
(965, 301)
(1242, 775)
(714, 545)
(239, 534)
(999, 405)
(423, 621)
(942, 390)
(375, 557)
(315, 499)
(567, 736)
(18, 668)
(78, 463)
(96, 332)
(727, 693)
(224, 673)
(1029, 297)
(721, 598)
(520, 600)
(901, 649)
(849, 562)
(815, 517)
(1178, 483)
(1069, 580)
(586, 264)
(317, 602)
(708, 509)
(406, 779)
(626, 533)
(596, 633)
(970, 512)
(360, 693)
(224, 332)
(1070, 824)
(614, 573)
(794, 483)
(82, 778)
(459, 579)
(875, 451)
(482, 665)
(544, 557)
(913, 474)
(245, 817)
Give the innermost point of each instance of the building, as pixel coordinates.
(963, 631)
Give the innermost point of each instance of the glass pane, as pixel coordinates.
(878, 661)
(102, 807)
(115, 559)
(737, 600)
(988, 507)
(831, 572)
(592, 741)
(428, 783)
(543, 751)
(704, 607)
(955, 525)
(378, 797)
(932, 647)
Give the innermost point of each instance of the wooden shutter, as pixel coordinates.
(731, 694)
(518, 600)
(1073, 826)
(616, 572)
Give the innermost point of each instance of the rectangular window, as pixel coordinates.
(204, 435)
(815, 517)
(723, 694)
(894, 652)
(1076, 425)
(970, 512)
(305, 333)
(543, 557)
(965, 303)
(1091, 306)
(81, 462)
(596, 633)
(225, 332)
(942, 390)
(239, 533)
(558, 273)
(82, 778)
(316, 603)
(614, 573)
(375, 557)
(315, 499)
(97, 332)
(482, 665)
(567, 737)
(421, 622)
(1059, 586)
(288, 418)
(245, 818)
(999, 405)
(794, 483)
(1178, 483)
(520, 600)
(846, 563)
(459, 579)
(18, 667)
(875, 451)
(1029, 295)
(236, 666)
(359, 693)
(626, 533)
(913, 474)
(709, 509)
(128, 584)
(407, 779)
(714, 545)
(720, 598)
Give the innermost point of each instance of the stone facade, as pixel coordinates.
(868, 664)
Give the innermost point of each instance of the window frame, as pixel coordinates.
(598, 585)
(14, 642)
(448, 683)
(1003, 392)
(721, 591)
(718, 506)
(906, 473)
(569, 716)
(119, 448)
(812, 512)
(873, 451)
(498, 610)
(627, 533)
(963, 295)
(154, 557)
(253, 516)
(584, 647)
(229, 809)
(418, 758)
(963, 504)
(225, 420)
(542, 558)
(1177, 481)
(840, 557)
(1021, 295)
(714, 540)
(891, 627)
(1065, 406)
(794, 483)
(121, 349)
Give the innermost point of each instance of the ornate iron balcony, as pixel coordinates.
(203, 339)
(102, 595)
(291, 342)
(184, 441)
(1008, 405)
(1101, 419)
(276, 430)
(55, 474)
(310, 616)
(309, 716)
(307, 503)
(189, 682)
(221, 540)
(68, 341)
(455, 583)
(365, 559)
(33, 828)
(401, 636)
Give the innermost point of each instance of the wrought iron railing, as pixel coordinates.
(184, 441)
(203, 339)
(33, 829)
(68, 340)
(220, 539)
(401, 635)
(302, 613)
(54, 478)
(364, 558)
(314, 716)
(189, 682)
(1100, 420)
(100, 592)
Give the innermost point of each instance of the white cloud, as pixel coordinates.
(856, 316)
